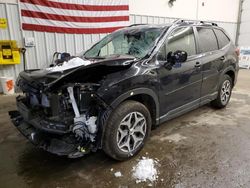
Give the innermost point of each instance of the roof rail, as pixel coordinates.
(211, 23)
(136, 25)
(178, 21)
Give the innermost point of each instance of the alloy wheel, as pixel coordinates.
(131, 132)
(225, 92)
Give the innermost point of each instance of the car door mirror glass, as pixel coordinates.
(178, 56)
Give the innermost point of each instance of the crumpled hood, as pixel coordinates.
(49, 76)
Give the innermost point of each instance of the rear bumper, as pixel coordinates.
(63, 145)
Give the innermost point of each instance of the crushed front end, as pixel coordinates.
(64, 122)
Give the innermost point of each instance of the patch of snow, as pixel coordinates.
(157, 159)
(173, 138)
(145, 170)
(118, 174)
(72, 63)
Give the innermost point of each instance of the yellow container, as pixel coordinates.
(9, 52)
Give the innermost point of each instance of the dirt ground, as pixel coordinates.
(204, 148)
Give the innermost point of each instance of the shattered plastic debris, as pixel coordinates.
(118, 174)
(75, 62)
(145, 170)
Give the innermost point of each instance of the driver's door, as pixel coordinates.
(180, 86)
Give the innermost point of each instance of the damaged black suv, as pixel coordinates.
(131, 81)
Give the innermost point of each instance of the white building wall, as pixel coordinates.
(213, 10)
(46, 44)
(244, 31)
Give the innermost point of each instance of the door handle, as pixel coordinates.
(222, 58)
(197, 65)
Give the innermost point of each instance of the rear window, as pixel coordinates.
(223, 40)
(207, 40)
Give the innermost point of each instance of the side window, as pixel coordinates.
(181, 39)
(207, 40)
(222, 38)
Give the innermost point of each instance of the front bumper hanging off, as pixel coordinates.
(56, 144)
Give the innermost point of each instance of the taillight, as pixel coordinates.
(237, 51)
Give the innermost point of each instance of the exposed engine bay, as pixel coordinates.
(63, 122)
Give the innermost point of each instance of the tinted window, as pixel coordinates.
(223, 40)
(181, 39)
(207, 40)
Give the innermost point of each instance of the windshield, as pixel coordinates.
(136, 42)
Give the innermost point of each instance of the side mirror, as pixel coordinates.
(177, 57)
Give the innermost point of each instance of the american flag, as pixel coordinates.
(74, 16)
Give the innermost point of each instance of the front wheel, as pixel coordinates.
(127, 130)
(224, 93)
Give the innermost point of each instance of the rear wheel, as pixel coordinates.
(224, 94)
(127, 130)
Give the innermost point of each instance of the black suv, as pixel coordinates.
(129, 82)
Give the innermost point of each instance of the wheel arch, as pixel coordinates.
(145, 96)
(230, 71)
(138, 94)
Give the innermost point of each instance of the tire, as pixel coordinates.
(224, 92)
(121, 141)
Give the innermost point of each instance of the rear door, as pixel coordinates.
(211, 62)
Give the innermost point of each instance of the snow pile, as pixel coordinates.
(72, 63)
(145, 170)
(118, 174)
